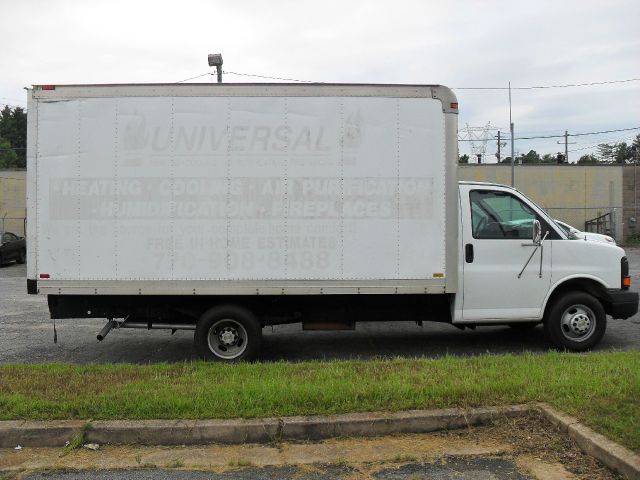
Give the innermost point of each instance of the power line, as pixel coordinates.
(532, 87)
(250, 75)
(582, 134)
(270, 78)
(193, 78)
(615, 141)
(571, 134)
(539, 87)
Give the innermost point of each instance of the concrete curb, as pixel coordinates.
(264, 430)
(378, 424)
(613, 455)
(39, 434)
(260, 430)
(183, 432)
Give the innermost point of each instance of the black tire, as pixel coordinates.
(523, 326)
(22, 257)
(228, 333)
(576, 322)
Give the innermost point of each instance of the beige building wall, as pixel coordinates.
(571, 193)
(631, 202)
(13, 201)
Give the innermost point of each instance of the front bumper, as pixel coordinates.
(621, 303)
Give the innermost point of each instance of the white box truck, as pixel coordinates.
(225, 208)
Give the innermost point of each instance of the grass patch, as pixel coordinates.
(601, 389)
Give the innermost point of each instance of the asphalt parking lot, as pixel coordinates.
(454, 469)
(26, 335)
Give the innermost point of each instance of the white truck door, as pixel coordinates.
(497, 242)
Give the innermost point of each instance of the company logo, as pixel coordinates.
(231, 139)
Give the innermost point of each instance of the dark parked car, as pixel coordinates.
(12, 247)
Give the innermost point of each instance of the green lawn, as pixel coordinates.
(601, 389)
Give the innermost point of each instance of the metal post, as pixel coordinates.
(215, 60)
(498, 154)
(513, 173)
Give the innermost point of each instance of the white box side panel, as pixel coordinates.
(241, 188)
(314, 248)
(198, 244)
(422, 219)
(57, 168)
(32, 187)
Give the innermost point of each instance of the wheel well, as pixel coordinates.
(578, 284)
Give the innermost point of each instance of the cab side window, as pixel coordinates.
(500, 215)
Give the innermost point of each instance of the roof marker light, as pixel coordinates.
(48, 87)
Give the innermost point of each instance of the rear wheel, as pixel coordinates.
(228, 333)
(576, 321)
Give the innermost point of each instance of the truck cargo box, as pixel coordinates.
(201, 189)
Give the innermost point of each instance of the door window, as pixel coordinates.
(500, 215)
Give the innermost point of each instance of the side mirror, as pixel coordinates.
(537, 232)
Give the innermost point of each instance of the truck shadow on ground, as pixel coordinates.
(376, 342)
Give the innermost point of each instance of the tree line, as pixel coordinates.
(621, 153)
(13, 138)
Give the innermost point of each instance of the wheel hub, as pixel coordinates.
(227, 339)
(228, 336)
(580, 324)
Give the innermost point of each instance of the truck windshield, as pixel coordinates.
(567, 231)
(547, 217)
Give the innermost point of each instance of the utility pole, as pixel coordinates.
(566, 146)
(498, 154)
(215, 60)
(513, 173)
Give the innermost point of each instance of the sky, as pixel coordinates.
(455, 43)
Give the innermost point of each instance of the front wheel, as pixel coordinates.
(576, 322)
(228, 333)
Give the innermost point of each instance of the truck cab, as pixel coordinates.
(517, 266)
